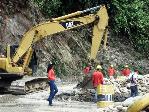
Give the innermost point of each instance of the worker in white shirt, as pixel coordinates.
(133, 83)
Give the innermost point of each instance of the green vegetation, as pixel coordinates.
(130, 21)
(48, 7)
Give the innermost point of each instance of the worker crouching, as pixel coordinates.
(53, 87)
(97, 79)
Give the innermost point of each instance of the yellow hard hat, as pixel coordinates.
(98, 67)
(111, 65)
(126, 66)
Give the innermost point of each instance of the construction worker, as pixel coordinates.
(97, 79)
(53, 87)
(87, 69)
(126, 71)
(133, 83)
(111, 71)
(87, 77)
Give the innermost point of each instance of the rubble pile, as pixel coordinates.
(77, 95)
(120, 87)
(122, 98)
(116, 107)
(143, 84)
(119, 106)
(122, 92)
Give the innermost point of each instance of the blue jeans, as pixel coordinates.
(134, 91)
(95, 95)
(53, 91)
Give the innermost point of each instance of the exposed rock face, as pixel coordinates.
(15, 19)
(120, 54)
(121, 93)
(67, 50)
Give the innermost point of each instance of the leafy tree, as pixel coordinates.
(48, 7)
(131, 20)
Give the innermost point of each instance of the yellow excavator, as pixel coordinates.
(15, 65)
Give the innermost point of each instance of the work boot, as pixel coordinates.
(50, 104)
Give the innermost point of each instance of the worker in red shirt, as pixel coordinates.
(87, 69)
(53, 87)
(126, 71)
(97, 79)
(111, 71)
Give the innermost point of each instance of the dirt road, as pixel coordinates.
(36, 102)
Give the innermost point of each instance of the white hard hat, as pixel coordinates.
(126, 66)
(111, 65)
(98, 67)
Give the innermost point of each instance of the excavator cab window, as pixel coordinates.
(33, 62)
(13, 49)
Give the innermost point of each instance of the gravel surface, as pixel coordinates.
(36, 102)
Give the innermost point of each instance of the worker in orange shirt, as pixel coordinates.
(97, 79)
(53, 87)
(126, 71)
(111, 71)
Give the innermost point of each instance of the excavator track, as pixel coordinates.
(28, 85)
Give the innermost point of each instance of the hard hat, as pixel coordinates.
(126, 66)
(111, 65)
(98, 67)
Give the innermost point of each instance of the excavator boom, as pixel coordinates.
(64, 23)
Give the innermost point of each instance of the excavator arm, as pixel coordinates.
(56, 25)
(63, 23)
